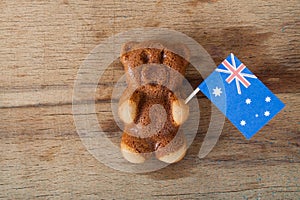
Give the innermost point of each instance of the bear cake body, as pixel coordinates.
(151, 106)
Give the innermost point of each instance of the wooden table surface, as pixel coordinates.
(43, 44)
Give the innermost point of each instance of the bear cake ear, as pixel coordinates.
(185, 52)
(180, 50)
(127, 47)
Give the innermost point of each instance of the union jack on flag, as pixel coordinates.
(236, 73)
(241, 96)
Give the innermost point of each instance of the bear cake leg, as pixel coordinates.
(171, 149)
(134, 149)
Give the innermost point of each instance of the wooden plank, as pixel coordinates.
(42, 46)
(49, 153)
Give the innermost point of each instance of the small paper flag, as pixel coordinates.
(240, 96)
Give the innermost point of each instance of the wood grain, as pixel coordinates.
(43, 44)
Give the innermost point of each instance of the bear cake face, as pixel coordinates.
(154, 110)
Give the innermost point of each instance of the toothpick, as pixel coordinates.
(192, 95)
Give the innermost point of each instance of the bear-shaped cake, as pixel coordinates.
(151, 106)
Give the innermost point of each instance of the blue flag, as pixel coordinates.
(241, 96)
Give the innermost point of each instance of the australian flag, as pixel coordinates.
(241, 96)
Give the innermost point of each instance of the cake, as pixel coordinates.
(151, 107)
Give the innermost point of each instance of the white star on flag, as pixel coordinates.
(236, 73)
(217, 91)
(248, 101)
(267, 113)
(243, 123)
(268, 99)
